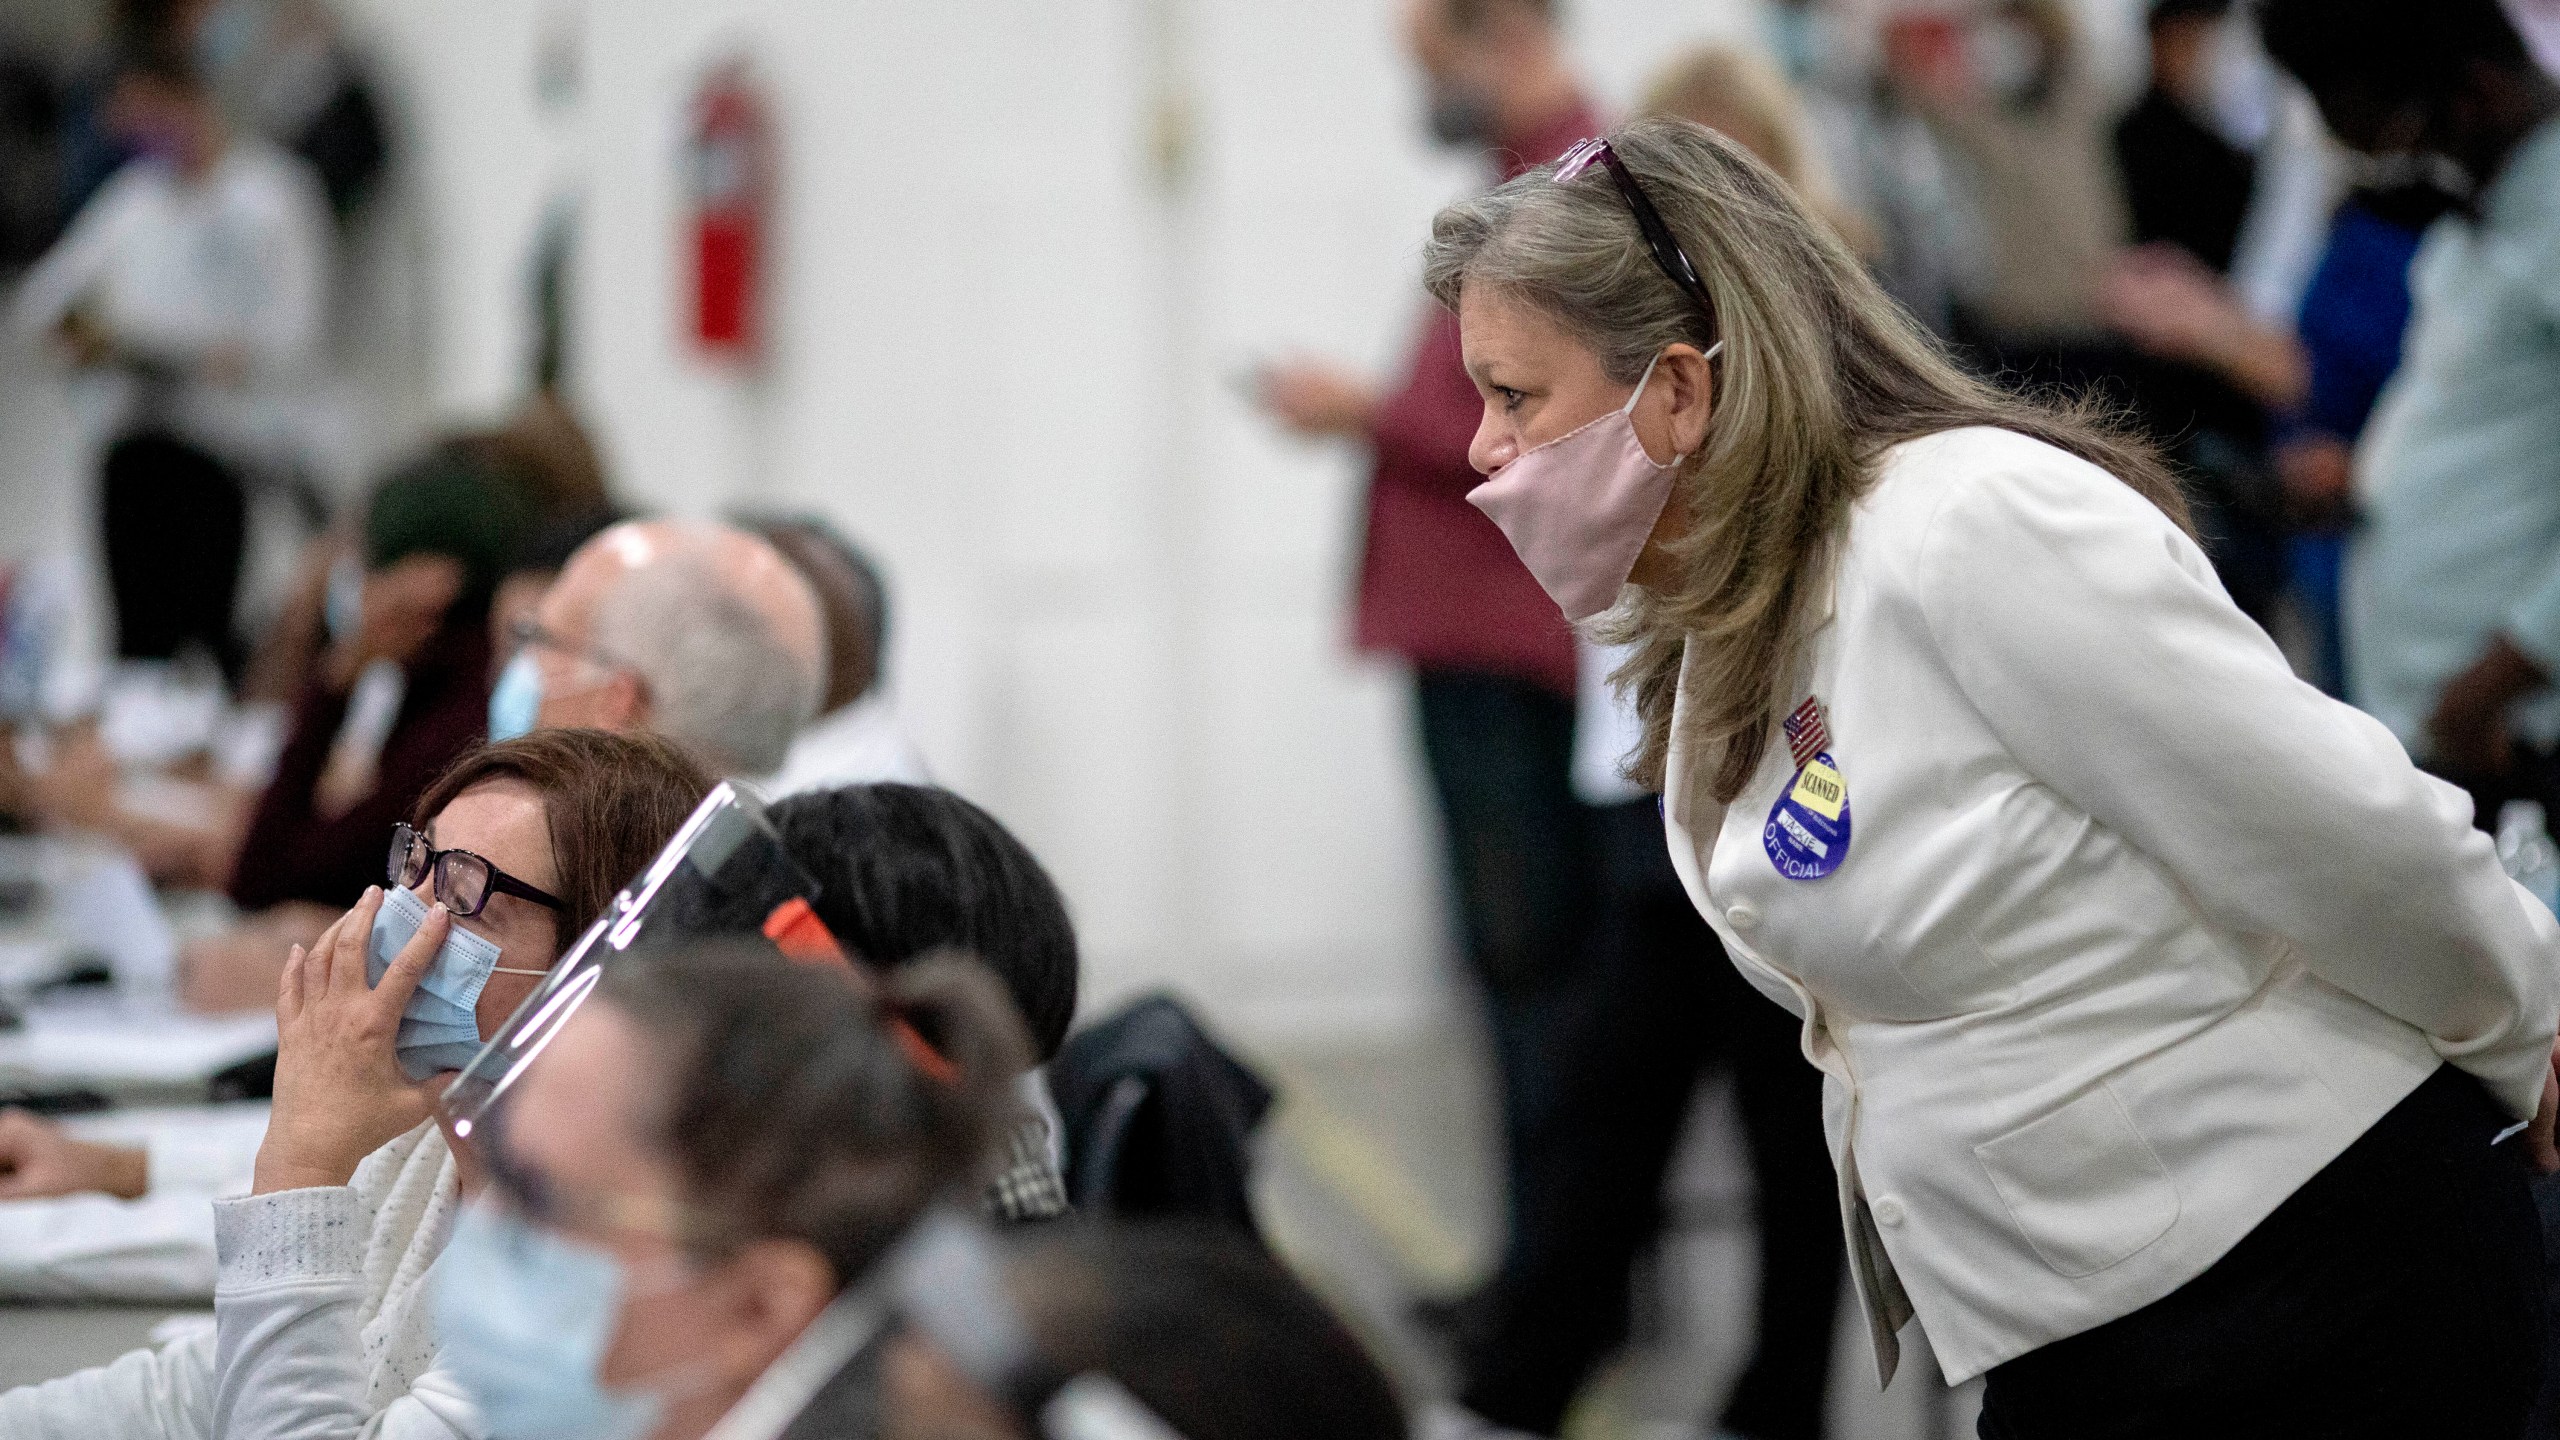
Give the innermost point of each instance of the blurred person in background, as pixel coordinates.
(1893, 169)
(1195, 1327)
(183, 815)
(543, 449)
(856, 737)
(1734, 91)
(695, 1181)
(402, 689)
(537, 568)
(2203, 374)
(291, 75)
(548, 447)
(2012, 96)
(2186, 183)
(322, 1321)
(1493, 668)
(2354, 315)
(1652, 1006)
(699, 632)
(2454, 577)
(192, 289)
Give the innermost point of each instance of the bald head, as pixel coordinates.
(700, 632)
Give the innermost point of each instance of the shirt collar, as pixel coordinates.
(1822, 596)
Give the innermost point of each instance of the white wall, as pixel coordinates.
(1003, 355)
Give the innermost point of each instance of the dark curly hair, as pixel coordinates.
(904, 870)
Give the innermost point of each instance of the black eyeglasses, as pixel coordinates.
(1658, 239)
(463, 881)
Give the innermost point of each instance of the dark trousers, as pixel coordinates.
(2398, 1293)
(1655, 1001)
(2533, 778)
(175, 523)
(1500, 752)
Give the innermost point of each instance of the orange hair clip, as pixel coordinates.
(796, 931)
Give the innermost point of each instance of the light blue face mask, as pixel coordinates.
(515, 703)
(525, 1316)
(440, 1026)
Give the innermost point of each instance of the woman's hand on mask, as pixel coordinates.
(340, 1094)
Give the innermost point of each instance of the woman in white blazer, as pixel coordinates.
(2168, 1013)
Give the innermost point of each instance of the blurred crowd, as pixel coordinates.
(489, 663)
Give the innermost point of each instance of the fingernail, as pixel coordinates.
(440, 910)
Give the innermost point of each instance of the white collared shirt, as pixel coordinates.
(857, 743)
(176, 268)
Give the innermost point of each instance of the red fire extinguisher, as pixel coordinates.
(730, 160)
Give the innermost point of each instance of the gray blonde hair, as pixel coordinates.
(721, 682)
(1820, 374)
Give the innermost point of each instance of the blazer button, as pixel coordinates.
(1889, 1212)
(1742, 916)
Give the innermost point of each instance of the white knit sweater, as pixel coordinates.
(323, 1325)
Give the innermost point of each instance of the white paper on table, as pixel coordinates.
(208, 1148)
(96, 1247)
(105, 907)
(28, 963)
(158, 1248)
(75, 1041)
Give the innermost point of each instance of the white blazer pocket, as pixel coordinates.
(2082, 1184)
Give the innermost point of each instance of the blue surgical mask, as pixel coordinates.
(525, 1317)
(440, 1026)
(515, 704)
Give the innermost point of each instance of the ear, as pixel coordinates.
(625, 698)
(1671, 420)
(771, 1291)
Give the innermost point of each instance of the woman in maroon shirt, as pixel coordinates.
(439, 534)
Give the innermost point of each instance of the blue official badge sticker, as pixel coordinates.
(1808, 831)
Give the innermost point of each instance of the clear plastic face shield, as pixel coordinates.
(949, 1284)
(725, 873)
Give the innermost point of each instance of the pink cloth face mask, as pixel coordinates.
(1579, 508)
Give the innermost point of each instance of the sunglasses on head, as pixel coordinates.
(1658, 240)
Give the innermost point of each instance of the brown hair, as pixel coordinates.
(611, 801)
(792, 1111)
(1821, 374)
